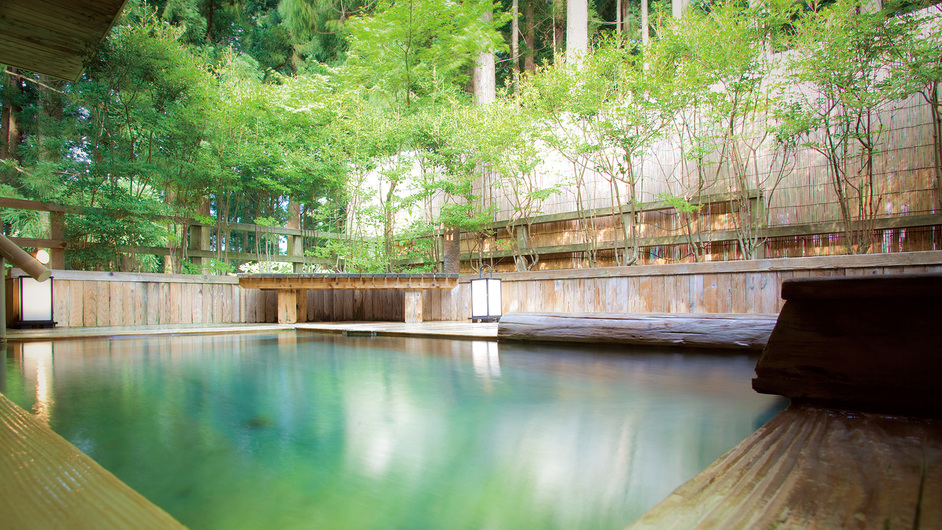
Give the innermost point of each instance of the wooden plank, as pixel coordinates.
(128, 307)
(188, 292)
(104, 303)
(816, 468)
(369, 299)
(710, 293)
(57, 486)
(175, 303)
(90, 303)
(645, 295)
(668, 302)
(60, 309)
(116, 304)
(302, 306)
(206, 306)
(225, 312)
(76, 294)
(243, 310)
(723, 293)
(165, 316)
(412, 309)
(271, 306)
(216, 315)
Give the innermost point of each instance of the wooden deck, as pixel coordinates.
(48, 483)
(814, 467)
(861, 445)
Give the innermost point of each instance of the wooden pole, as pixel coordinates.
(30, 265)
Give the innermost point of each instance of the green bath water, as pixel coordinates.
(287, 430)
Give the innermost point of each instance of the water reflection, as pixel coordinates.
(295, 431)
(486, 360)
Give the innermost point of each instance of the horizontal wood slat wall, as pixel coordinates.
(119, 299)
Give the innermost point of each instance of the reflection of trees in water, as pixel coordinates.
(237, 429)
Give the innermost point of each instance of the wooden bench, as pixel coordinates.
(292, 288)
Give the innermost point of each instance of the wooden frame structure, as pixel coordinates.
(292, 289)
(53, 37)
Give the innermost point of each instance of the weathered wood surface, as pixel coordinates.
(751, 287)
(53, 37)
(348, 281)
(48, 483)
(738, 332)
(817, 468)
(732, 287)
(862, 342)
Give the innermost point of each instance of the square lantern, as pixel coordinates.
(35, 303)
(485, 297)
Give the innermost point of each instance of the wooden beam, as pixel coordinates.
(865, 342)
(893, 259)
(912, 221)
(39, 243)
(624, 208)
(348, 281)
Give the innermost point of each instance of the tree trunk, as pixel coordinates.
(10, 136)
(529, 38)
(678, 7)
(452, 251)
(514, 41)
(209, 21)
(645, 36)
(485, 74)
(577, 30)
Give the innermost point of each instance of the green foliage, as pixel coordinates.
(358, 114)
(844, 54)
(681, 204)
(406, 48)
(213, 266)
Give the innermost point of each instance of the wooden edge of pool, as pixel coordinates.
(813, 467)
(690, 330)
(48, 483)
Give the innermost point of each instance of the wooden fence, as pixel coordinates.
(123, 299)
(714, 287)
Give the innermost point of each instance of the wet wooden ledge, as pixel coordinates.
(48, 483)
(693, 330)
(861, 444)
(813, 467)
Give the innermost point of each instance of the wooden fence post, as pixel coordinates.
(57, 232)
